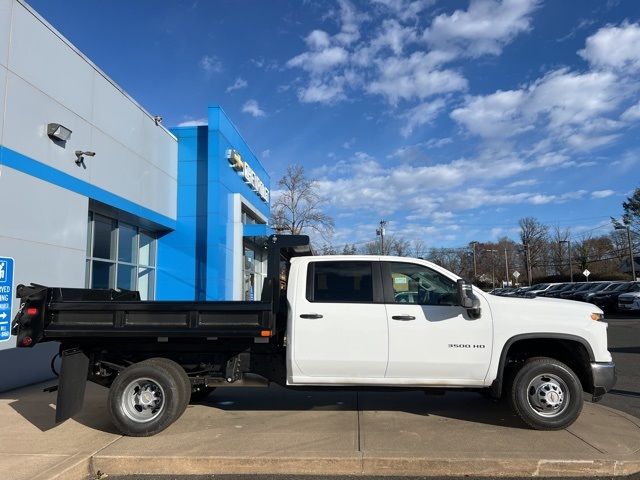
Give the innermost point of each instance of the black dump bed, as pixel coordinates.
(61, 313)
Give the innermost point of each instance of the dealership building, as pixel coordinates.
(96, 192)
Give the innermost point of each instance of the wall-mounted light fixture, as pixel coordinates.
(80, 157)
(59, 132)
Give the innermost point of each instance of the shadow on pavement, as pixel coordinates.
(38, 408)
(467, 406)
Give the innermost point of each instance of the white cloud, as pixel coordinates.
(413, 77)
(571, 107)
(421, 114)
(265, 153)
(614, 47)
(253, 108)
(602, 193)
(194, 123)
(492, 116)
(632, 113)
(485, 28)
(319, 92)
(237, 85)
(319, 61)
(210, 64)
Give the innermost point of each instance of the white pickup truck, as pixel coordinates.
(346, 321)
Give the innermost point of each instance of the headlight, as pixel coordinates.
(598, 317)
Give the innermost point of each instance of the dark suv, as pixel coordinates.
(608, 299)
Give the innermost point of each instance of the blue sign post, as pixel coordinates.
(6, 297)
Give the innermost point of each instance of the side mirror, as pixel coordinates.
(468, 300)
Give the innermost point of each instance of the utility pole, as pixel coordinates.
(528, 252)
(380, 231)
(633, 263)
(493, 267)
(475, 265)
(506, 266)
(568, 242)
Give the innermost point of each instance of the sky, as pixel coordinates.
(449, 119)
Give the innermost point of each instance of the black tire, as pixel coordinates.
(185, 383)
(546, 394)
(133, 413)
(200, 393)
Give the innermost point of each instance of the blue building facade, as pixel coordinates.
(215, 251)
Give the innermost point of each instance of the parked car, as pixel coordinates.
(540, 288)
(556, 289)
(608, 299)
(587, 295)
(629, 302)
(582, 287)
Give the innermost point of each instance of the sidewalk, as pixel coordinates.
(280, 431)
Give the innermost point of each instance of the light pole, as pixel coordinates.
(633, 263)
(568, 242)
(528, 252)
(380, 231)
(506, 266)
(493, 267)
(475, 266)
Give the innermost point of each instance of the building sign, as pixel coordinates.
(6, 297)
(249, 176)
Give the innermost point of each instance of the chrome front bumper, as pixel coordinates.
(604, 378)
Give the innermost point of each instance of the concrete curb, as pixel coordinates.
(360, 464)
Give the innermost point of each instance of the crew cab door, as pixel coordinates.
(339, 322)
(431, 338)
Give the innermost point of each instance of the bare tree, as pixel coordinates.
(419, 249)
(535, 236)
(558, 250)
(297, 209)
(349, 249)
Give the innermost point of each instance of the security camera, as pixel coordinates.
(157, 119)
(80, 157)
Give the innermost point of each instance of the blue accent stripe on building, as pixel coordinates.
(39, 170)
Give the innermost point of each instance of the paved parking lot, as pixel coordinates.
(624, 344)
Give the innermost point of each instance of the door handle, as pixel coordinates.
(404, 318)
(310, 315)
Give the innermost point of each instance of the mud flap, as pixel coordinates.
(72, 383)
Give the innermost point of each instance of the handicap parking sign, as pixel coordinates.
(6, 297)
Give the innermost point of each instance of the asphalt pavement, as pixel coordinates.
(624, 345)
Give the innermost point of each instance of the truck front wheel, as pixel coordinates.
(546, 394)
(145, 398)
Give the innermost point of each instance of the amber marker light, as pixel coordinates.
(597, 317)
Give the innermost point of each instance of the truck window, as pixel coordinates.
(420, 285)
(340, 282)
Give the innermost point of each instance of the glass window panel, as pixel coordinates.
(343, 282)
(145, 251)
(101, 274)
(126, 277)
(103, 241)
(126, 243)
(420, 285)
(145, 283)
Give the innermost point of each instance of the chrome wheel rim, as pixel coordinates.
(548, 395)
(143, 400)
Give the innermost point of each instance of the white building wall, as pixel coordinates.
(43, 225)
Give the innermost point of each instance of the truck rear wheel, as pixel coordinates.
(180, 374)
(546, 394)
(145, 398)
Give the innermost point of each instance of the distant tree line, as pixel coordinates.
(542, 254)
